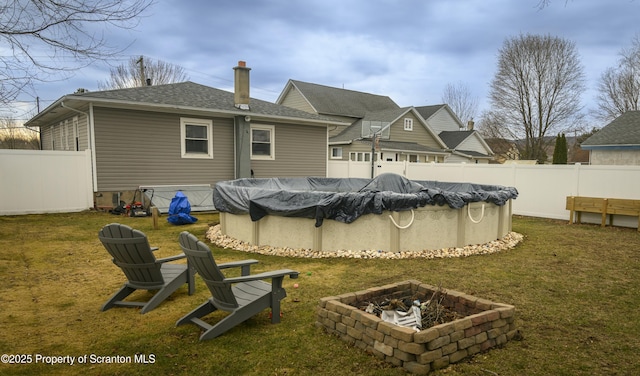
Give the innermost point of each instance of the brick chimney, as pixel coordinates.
(470, 124)
(241, 87)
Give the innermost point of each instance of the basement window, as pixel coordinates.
(196, 138)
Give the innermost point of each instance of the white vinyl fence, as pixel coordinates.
(38, 181)
(542, 188)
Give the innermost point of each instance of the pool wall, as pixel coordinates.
(428, 227)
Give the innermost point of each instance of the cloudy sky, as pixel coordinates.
(406, 49)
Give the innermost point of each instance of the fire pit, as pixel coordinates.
(484, 325)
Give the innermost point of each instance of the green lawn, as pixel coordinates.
(575, 289)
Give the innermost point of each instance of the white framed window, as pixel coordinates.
(263, 142)
(360, 157)
(196, 138)
(336, 152)
(408, 124)
(414, 158)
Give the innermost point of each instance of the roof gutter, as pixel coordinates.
(462, 153)
(35, 118)
(610, 147)
(72, 109)
(405, 151)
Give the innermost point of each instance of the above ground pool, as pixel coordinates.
(388, 213)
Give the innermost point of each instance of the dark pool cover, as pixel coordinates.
(345, 200)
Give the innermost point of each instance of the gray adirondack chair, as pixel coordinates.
(243, 296)
(131, 252)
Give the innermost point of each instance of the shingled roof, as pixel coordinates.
(190, 96)
(622, 131)
(427, 111)
(454, 138)
(186, 94)
(408, 146)
(329, 100)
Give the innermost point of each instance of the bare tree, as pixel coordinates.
(137, 71)
(13, 136)
(619, 87)
(46, 37)
(491, 126)
(459, 97)
(499, 138)
(537, 89)
(544, 3)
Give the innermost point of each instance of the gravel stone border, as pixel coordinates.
(509, 241)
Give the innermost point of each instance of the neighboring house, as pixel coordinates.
(576, 153)
(441, 118)
(618, 143)
(504, 150)
(340, 104)
(416, 134)
(185, 134)
(402, 135)
(466, 147)
(508, 151)
(465, 144)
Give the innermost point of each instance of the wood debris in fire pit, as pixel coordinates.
(432, 311)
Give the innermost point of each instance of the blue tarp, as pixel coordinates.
(179, 210)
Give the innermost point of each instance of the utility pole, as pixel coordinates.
(143, 78)
(375, 145)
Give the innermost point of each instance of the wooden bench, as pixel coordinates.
(603, 206)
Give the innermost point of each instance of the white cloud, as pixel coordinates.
(407, 50)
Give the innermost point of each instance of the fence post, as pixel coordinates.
(154, 216)
(578, 172)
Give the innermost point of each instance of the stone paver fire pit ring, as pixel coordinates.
(485, 325)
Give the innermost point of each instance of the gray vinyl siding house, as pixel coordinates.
(145, 136)
(423, 143)
(297, 152)
(399, 142)
(339, 104)
(617, 143)
(440, 117)
(149, 152)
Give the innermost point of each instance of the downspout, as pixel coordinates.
(242, 146)
(90, 140)
(326, 154)
(242, 123)
(235, 149)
